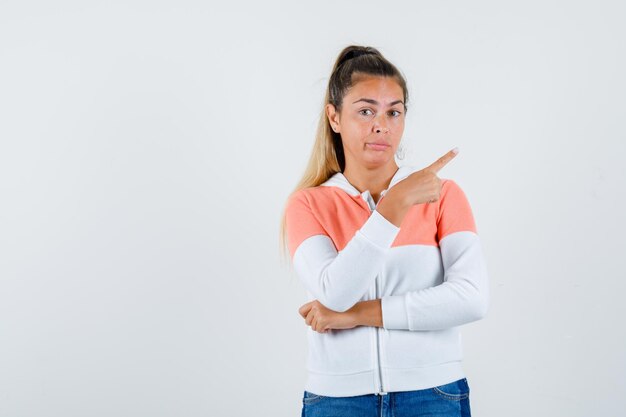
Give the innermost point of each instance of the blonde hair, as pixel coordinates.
(327, 158)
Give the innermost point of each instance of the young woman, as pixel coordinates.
(389, 256)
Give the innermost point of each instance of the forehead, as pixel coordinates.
(384, 89)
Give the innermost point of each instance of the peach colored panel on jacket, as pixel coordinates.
(419, 226)
(333, 212)
(455, 213)
(324, 210)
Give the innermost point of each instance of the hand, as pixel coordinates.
(422, 186)
(322, 319)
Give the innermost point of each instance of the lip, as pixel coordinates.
(378, 146)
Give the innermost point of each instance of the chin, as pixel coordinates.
(380, 161)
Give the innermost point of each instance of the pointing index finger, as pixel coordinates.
(441, 162)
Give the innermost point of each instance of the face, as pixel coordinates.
(371, 121)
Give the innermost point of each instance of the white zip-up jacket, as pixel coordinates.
(429, 273)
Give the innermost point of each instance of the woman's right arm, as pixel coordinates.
(393, 207)
(339, 280)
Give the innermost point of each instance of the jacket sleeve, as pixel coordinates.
(336, 279)
(463, 296)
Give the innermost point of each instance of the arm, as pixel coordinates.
(463, 297)
(337, 279)
(463, 301)
(367, 313)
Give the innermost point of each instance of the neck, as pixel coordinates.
(375, 180)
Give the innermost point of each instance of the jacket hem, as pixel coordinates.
(395, 379)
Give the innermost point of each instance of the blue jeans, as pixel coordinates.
(446, 400)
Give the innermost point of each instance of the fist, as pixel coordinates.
(322, 319)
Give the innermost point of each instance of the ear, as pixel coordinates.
(333, 117)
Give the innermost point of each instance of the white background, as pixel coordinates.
(147, 149)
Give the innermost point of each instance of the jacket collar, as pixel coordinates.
(339, 180)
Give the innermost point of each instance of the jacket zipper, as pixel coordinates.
(379, 388)
(380, 372)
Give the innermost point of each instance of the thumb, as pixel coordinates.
(304, 309)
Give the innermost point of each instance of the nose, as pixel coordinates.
(382, 129)
(380, 126)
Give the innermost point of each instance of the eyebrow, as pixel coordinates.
(371, 101)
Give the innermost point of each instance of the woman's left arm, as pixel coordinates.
(463, 296)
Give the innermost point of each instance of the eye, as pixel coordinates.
(396, 111)
(361, 112)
